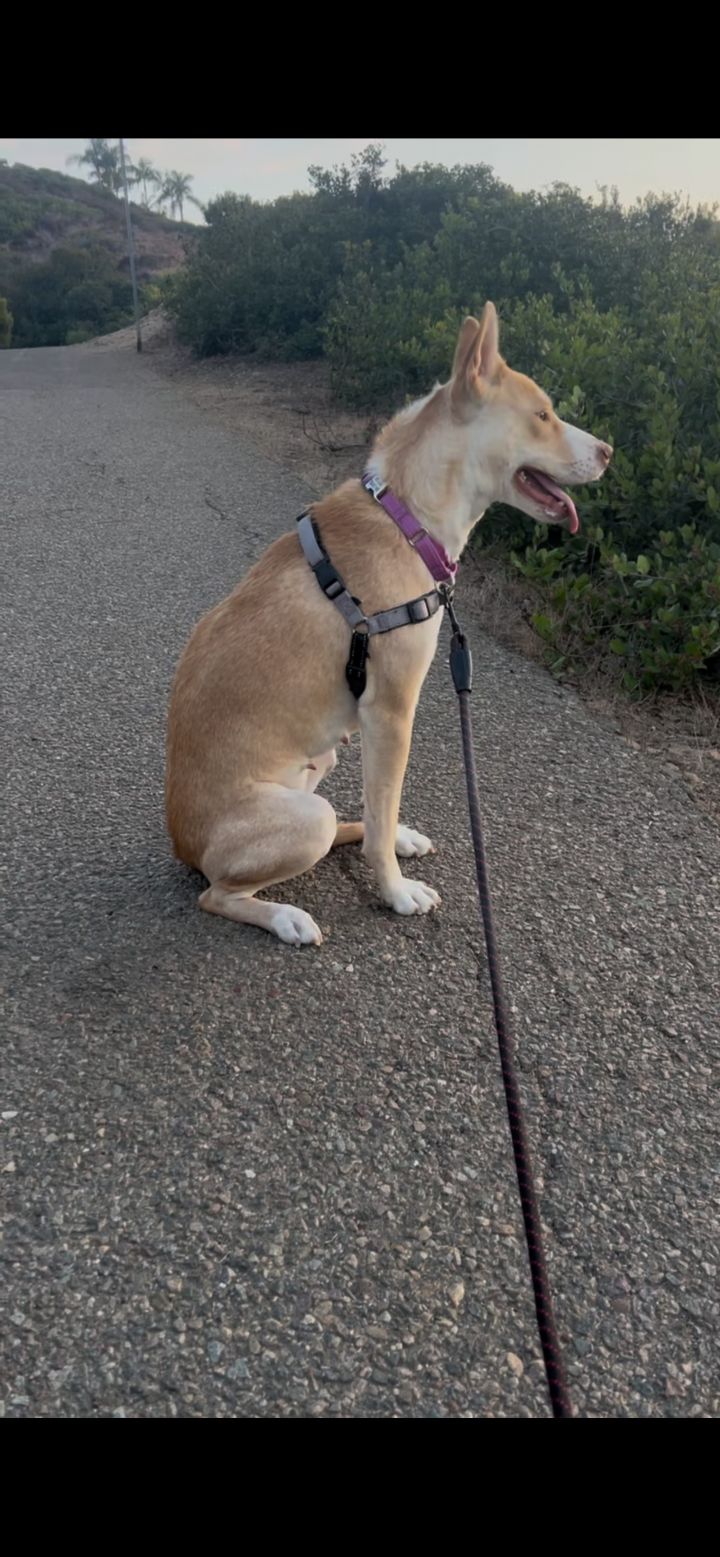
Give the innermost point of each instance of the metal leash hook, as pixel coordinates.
(461, 668)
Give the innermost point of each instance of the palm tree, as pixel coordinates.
(93, 157)
(143, 173)
(175, 191)
(104, 164)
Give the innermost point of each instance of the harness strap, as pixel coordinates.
(327, 576)
(364, 627)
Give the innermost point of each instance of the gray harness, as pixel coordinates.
(363, 627)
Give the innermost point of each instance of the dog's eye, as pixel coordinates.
(543, 415)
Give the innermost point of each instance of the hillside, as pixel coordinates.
(41, 209)
(63, 254)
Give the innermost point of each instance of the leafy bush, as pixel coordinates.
(656, 616)
(259, 278)
(75, 294)
(157, 292)
(263, 277)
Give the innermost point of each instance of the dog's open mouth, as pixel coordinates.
(555, 504)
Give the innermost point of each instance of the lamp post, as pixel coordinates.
(131, 246)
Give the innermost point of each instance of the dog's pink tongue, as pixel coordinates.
(573, 519)
(562, 497)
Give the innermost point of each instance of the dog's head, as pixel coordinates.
(518, 449)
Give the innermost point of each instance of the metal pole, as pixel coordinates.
(131, 246)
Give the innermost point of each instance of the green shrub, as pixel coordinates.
(259, 278)
(655, 617)
(157, 292)
(514, 248)
(75, 290)
(263, 278)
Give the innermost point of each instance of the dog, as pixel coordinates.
(260, 698)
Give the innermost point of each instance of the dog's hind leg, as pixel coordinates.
(348, 832)
(289, 923)
(277, 833)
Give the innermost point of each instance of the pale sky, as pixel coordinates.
(265, 167)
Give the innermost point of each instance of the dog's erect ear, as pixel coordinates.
(469, 332)
(476, 355)
(486, 355)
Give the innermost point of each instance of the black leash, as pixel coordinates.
(461, 668)
(362, 628)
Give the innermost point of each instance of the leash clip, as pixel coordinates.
(461, 665)
(447, 595)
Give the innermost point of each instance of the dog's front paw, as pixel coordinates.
(412, 897)
(408, 842)
(294, 926)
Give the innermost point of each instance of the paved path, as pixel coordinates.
(243, 1180)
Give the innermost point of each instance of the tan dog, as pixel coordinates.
(260, 698)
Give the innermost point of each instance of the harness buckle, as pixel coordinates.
(419, 610)
(328, 579)
(375, 487)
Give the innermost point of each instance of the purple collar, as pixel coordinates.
(434, 555)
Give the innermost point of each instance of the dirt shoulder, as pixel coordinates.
(286, 411)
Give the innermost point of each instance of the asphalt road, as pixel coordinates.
(244, 1180)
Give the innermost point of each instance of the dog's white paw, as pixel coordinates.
(294, 926)
(413, 897)
(408, 842)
